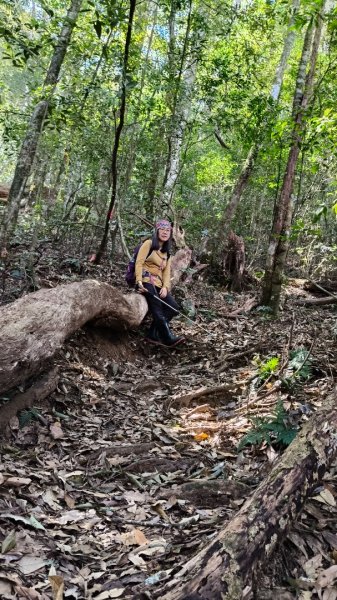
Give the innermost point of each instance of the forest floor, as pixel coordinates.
(132, 465)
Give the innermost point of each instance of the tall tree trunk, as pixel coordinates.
(136, 130)
(29, 145)
(118, 132)
(248, 166)
(180, 108)
(279, 238)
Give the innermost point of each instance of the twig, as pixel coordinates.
(323, 290)
(142, 219)
(198, 409)
(201, 392)
(219, 365)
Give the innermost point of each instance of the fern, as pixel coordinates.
(299, 368)
(274, 431)
(300, 363)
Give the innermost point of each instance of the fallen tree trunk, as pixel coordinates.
(34, 327)
(328, 286)
(316, 301)
(226, 568)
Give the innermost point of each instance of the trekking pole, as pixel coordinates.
(177, 311)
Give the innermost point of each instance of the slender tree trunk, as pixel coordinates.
(238, 190)
(279, 239)
(29, 145)
(118, 132)
(248, 166)
(136, 131)
(180, 108)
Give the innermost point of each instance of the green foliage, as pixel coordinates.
(236, 51)
(267, 368)
(273, 431)
(299, 368)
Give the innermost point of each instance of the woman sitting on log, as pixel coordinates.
(153, 272)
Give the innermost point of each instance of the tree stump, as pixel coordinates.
(234, 261)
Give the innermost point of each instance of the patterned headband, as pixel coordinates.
(163, 224)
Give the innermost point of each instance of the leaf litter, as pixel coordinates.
(136, 467)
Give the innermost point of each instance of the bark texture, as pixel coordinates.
(234, 261)
(228, 567)
(34, 327)
(180, 262)
(284, 209)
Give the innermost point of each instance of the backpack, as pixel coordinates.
(130, 275)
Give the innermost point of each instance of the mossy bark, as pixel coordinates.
(227, 569)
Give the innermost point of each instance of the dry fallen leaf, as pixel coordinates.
(327, 577)
(5, 587)
(136, 560)
(28, 593)
(305, 595)
(50, 498)
(271, 454)
(56, 431)
(312, 565)
(70, 502)
(133, 538)
(152, 548)
(69, 516)
(17, 481)
(29, 564)
(326, 497)
(114, 593)
(160, 511)
(199, 437)
(57, 584)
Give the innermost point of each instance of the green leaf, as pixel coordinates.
(9, 542)
(35, 523)
(31, 521)
(287, 436)
(98, 28)
(321, 211)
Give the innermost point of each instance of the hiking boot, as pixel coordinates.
(153, 335)
(166, 336)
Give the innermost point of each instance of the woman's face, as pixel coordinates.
(164, 234)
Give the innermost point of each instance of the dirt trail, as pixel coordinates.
(107, 482)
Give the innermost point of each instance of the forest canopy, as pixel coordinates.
(219, 115)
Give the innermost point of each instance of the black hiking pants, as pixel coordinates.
(159, 310)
